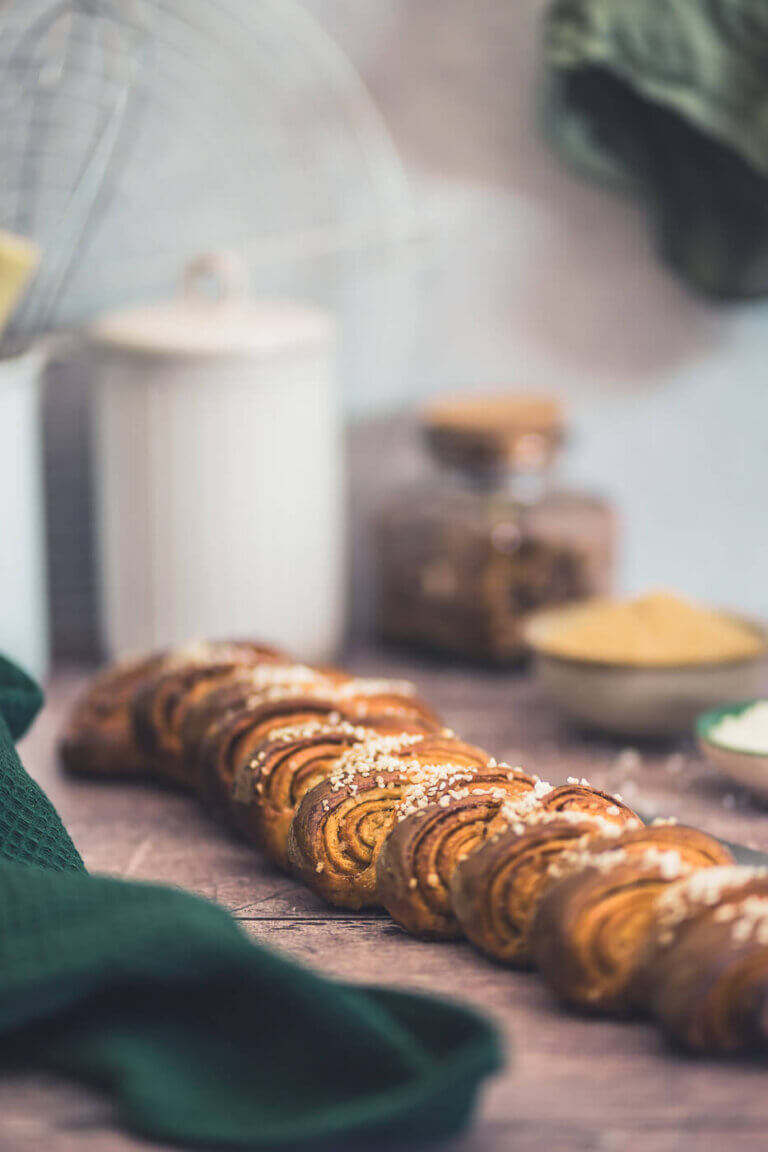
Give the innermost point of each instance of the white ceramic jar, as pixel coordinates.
(219, 471)
(23, 594)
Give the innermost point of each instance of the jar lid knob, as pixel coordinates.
(220, 276)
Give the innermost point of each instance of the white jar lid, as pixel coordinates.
(224, 322)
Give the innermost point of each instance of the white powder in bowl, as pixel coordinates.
(746, 732)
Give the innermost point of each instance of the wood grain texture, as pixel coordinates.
(570, 1084)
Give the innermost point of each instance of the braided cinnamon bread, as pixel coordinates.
(496, 890)
(249, 687)
(291, 759)
(342, 823)
(233, 740)
(592, 924)
(704, 975)
(159, 706)
(579, 796)
(244, 688)
(99, 737)
(437, 827)
(356, 785)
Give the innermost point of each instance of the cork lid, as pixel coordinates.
(513, 430)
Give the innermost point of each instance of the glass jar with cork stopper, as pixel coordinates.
(462, 561)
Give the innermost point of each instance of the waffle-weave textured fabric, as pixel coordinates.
(201, 1036)
(30, 829)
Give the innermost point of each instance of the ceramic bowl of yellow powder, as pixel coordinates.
(645, 667)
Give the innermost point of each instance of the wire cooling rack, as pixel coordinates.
(243, 126)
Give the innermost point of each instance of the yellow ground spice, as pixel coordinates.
(656, 630)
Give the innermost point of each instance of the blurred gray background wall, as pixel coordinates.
(516, 273)
(530, 276)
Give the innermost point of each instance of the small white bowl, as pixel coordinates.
(634, 700)
(750, 769)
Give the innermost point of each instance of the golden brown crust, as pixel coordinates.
(435, 831)
(245, 688)
(711, 995)
(99, 738)
(568, 800)
(232, 738)
(710, 985)
(592, 925)
(496, 890)
(704, 973)
(341, 823)
(583, 798)
(232, 743)
(290, 760)
(159, 707)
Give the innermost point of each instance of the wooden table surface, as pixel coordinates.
(570, 1084)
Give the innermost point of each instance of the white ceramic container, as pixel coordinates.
(23, 597)
(219, 471)
(748, 768)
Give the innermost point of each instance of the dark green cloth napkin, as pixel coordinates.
(669, 98)
(201, 1036)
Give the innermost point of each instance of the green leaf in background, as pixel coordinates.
(669, 99)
